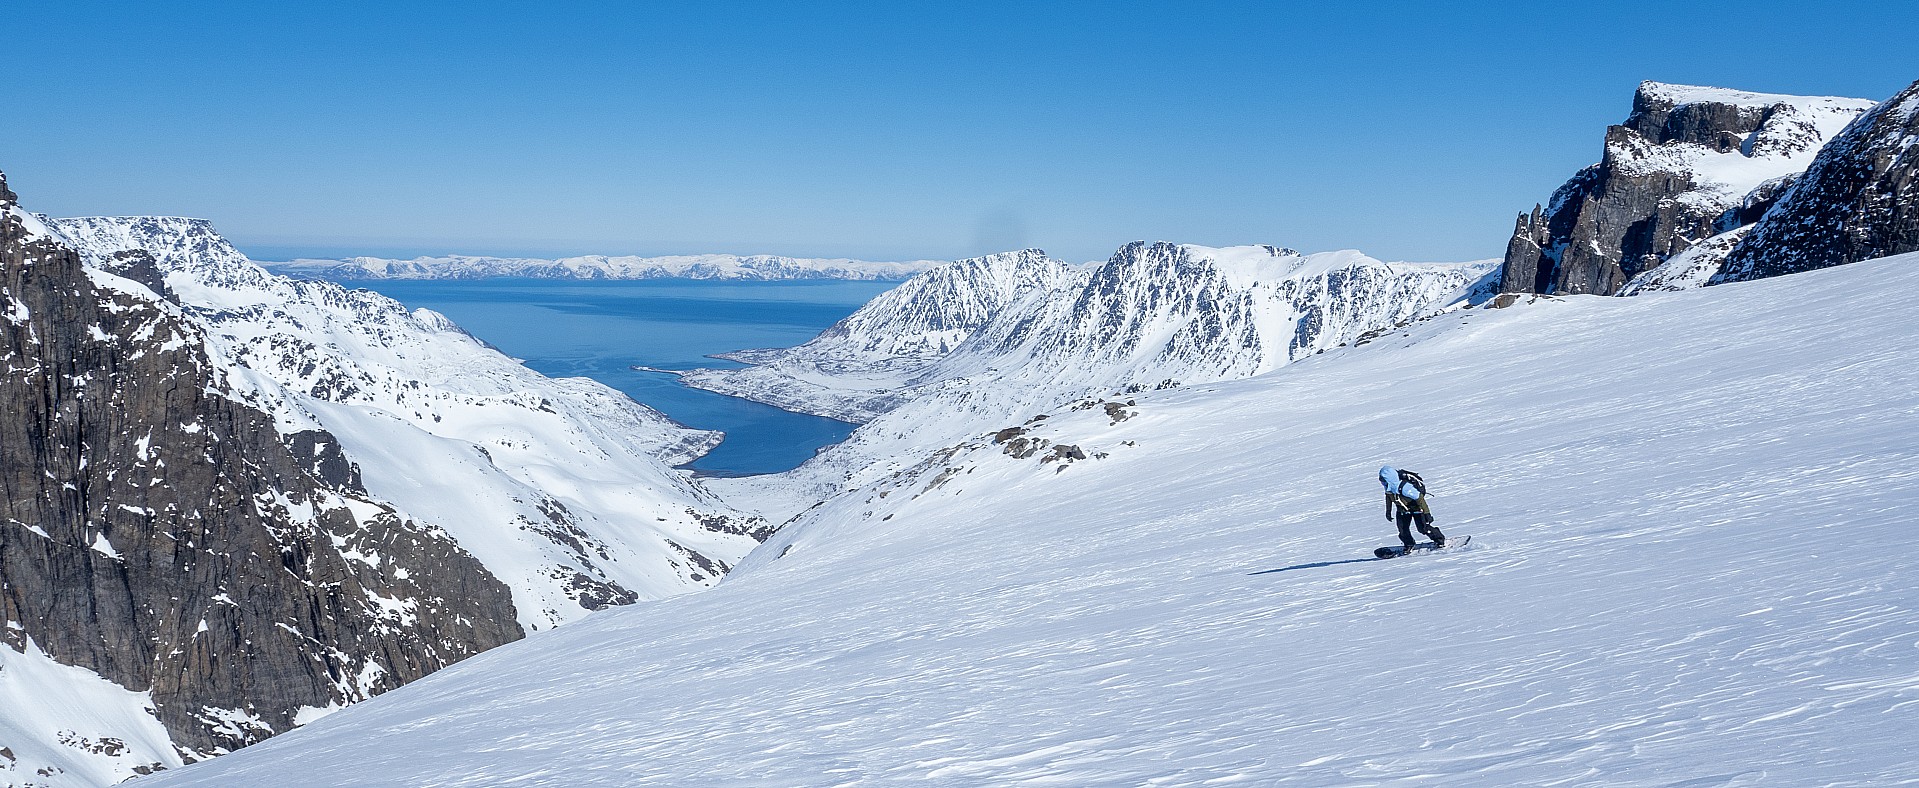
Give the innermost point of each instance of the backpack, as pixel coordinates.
(1408, 477)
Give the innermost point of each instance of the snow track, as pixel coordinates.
(1686, 507)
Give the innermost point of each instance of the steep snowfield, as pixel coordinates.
(1692, 268)
(64, 725)
(1690, 566)
(700, 266)
(1153, 316)
(562, 488)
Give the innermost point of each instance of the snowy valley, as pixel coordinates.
(1679, 573)
(1100, 524)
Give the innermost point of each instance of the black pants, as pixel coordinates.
(1425, 521)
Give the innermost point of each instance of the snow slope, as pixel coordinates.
(66, 725)
(700, 266)
(1689, 512)
(563, 488)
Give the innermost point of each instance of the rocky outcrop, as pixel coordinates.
(1858, 200)
(1688, 164)
(157, 532)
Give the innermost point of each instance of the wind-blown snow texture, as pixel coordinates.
(701, 266)
(1033, 334)
(562, 488)
(1681, 574)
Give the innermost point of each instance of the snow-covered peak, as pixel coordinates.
(863, 365)
(1155, 315)
(932, 313)
(1675, 95)
(1728, 141)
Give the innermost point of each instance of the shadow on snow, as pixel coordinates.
(1315, 566)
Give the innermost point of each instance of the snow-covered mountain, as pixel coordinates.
(700, 266)
(1153, 316)
(865, 364)
(1688, 164)
(1859, 200)
(364, 495)
(562, 488)
(180, 576)
(1685, 509)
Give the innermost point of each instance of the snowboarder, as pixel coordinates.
(1406, 502)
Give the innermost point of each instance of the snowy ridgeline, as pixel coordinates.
(699, 266)
(1740, 183)
(1685, 509)
(1788, 132)
(988, 343)
(563, 488)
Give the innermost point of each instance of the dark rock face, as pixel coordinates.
(1859, 200)
(1722, 127)
(171, 540)
(1644, 202)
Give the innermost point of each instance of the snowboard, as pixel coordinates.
(1396, 551)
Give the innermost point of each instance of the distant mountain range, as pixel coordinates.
(698, 266)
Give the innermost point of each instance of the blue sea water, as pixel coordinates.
(601, 329)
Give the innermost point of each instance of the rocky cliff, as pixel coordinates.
(1688, 164)
(563, 488)
(1858, 200)
(159, 533)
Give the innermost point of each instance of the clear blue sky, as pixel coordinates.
(885, 131)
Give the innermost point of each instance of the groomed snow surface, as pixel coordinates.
(1691, 565)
